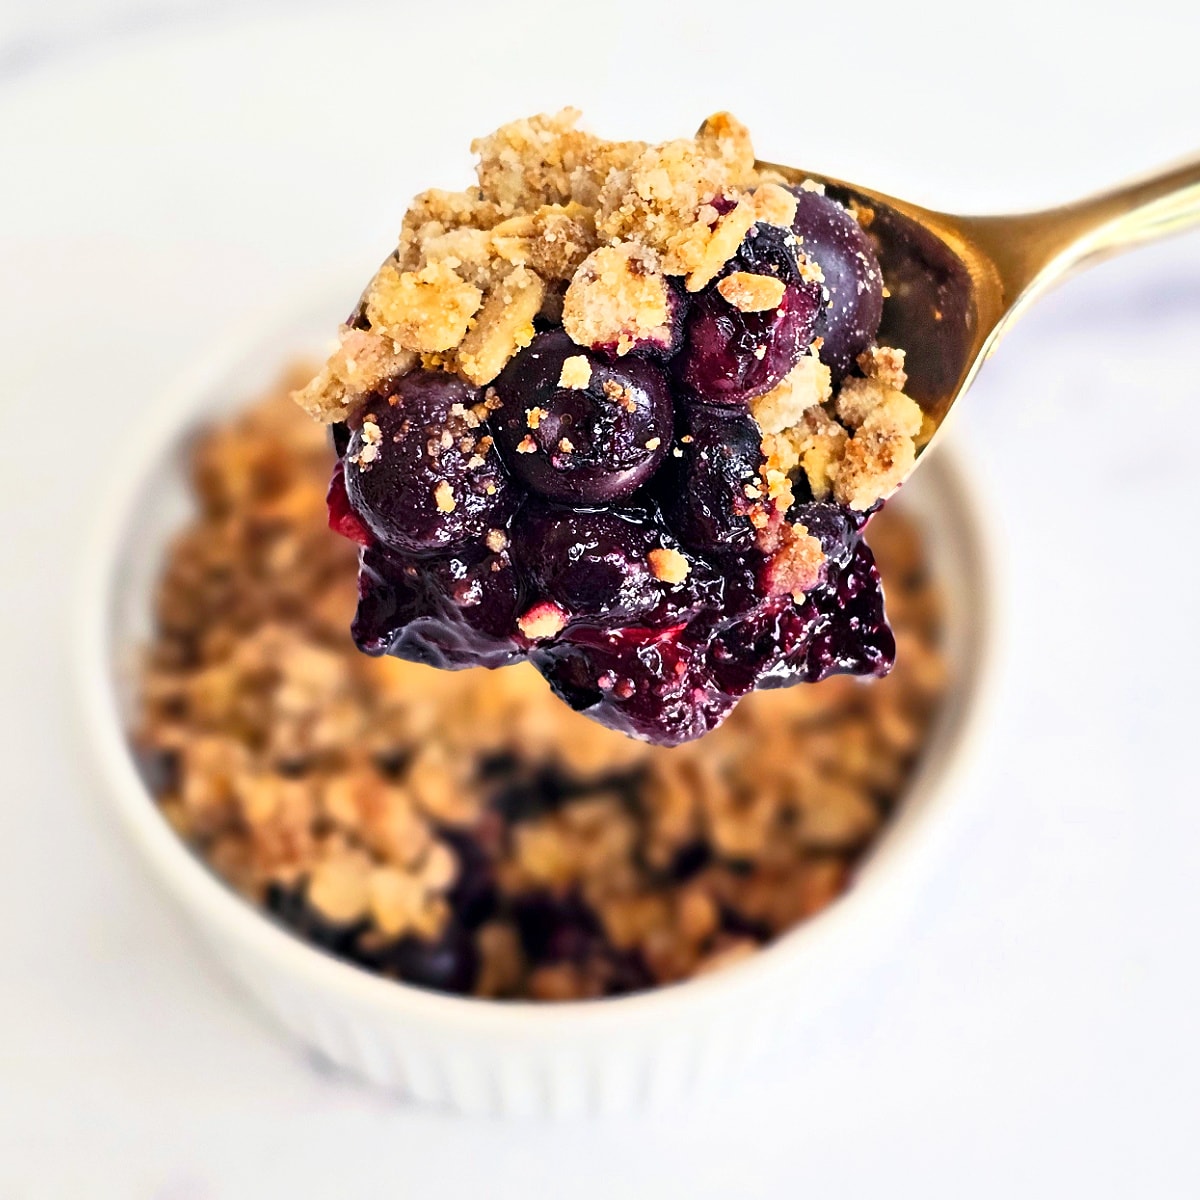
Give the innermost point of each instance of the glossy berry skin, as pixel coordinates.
(595, 564)
(852, 303)
(427, 482)
(729, 356)
(648, 684)
(455, 612)
(705, 493)
(582, 445)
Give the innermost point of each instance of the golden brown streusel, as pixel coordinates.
(567, 226)
(341, 790)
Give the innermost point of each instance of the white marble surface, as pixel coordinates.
(168, 170)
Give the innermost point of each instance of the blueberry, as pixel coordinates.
(342, 518)
(852, 304)
(591, 443)
(556, 928)
(596, 564)
(847, 628)
(448, 964)
(752, 652)
(705, 491)
(420, 470)
(730, 356)
(646, 684)
(835, 527)
(453, 612)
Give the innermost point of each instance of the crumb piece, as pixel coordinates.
(653, 443)
(544, 620)
(882, 449)
(664, 200)
(337, 888)
(443, 496)
(668, 565)
(362, 361)
(726, 138)
(502, 326)
(618, 297)
(534, 416)
(496, 541)
(566, 446)
(751, 293)
(619, 394)
(810, 269)
(527, 446)
(727, 235)
(426, 310)
(551, 241)
(576, 372)
(774, 205)
(796, 565)
(807, 384)
(885, 364)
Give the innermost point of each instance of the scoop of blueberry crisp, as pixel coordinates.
(619, 410)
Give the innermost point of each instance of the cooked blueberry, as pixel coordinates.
(453, 612)
(705, 493)
(648, 685)
(449, 964)
(473, 897)
(835, 527)
(600, 564)
(752, 652)
(578, 428)
(731, 355)
(848, 629)
(342, 518)
(852, 304)
(556, 928)
(420, 469)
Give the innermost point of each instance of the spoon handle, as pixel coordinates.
(1033, 251)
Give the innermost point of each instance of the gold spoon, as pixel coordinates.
(956, 284)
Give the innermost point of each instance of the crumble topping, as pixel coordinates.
(586, 231)
(775, 205)
(425, 311)
(354, 796)
(618, 297)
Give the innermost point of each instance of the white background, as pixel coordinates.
(167, 170)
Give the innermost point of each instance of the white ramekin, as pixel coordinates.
(599, 1056)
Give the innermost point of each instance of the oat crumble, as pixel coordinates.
(466, 831)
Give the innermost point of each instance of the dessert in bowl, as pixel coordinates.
(610, 1052)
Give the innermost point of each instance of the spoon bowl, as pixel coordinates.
(956, 283)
